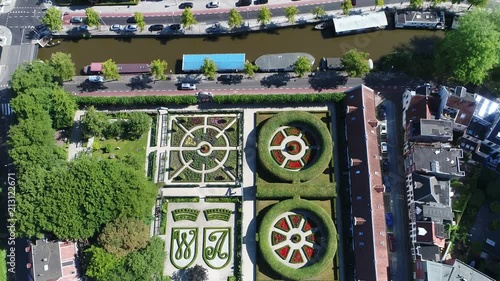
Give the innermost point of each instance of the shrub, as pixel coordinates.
(107, 148)
(297, 118)
(265, 239)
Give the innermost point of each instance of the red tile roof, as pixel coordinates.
(426, 233)
(370, 241)
(418, 109)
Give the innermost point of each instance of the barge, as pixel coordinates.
(280, 62)
(95, 68)
(415, 19)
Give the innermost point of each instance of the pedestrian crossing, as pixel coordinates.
(5, 109)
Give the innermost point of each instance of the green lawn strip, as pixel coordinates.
(232, 161)
(188, 176)
(285, 190)
(3, 265)
(135, 148)
(176, 135)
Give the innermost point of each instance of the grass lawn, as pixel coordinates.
(135, 148)
(3, 265)
(265, 273)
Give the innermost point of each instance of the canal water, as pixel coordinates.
(295, 39)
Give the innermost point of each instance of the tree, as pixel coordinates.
(471, 51)
(63, 108)
(318, 12)
(64, 67)
(355, 63)
(36, 74)
(416, 4)
(290, 13)
(158, 68)
(100, 263)
(378, 3)
(346, 6)
(138, 124)
(53, 19)
(301, 66)
(93, 123)
(110, 70)
(250, 68)
(187, 18)
(235, 19)
(197, 273)
(93, 18)
(139, 19)
(123, 236)
(264, 16)
(477, 3)
(32, 102)
(209, 68)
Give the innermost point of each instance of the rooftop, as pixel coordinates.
(224, 62)
(429, 252)
(370, 249)
(437, 160)
(53, 261)
(282, 61)
(458, 271)
(485, 107)
(429, 189)
(436, 128)
(426, 234)
(360, 22)
(434, 211)
(414, 16)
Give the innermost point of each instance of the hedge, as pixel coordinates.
(221, 99)
(286, 190)
(297, 118)
(265, 239)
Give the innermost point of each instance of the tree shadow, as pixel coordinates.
(87, 86)
(189, 78)
(327, 80)
(140, 82)
(277, 80)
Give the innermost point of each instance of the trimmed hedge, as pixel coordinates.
(265, 239)
(286, 190)
(295, 118)
(221, 99)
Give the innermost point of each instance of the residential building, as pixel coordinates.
(427, 234)
(453, 270)
(369, 237)
(53, 261)
(416, 19)
(437, 160)
(430, 130)
(428, 189)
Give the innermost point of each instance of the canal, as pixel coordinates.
(295, 39)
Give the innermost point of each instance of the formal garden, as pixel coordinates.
(205, 233)
(295, 151)
(203, 149)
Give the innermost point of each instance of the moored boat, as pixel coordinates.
(128, 68)
(321, 26)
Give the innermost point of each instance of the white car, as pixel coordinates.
(130, 28)
(383, 129)
(383, 147)
(213, 4)
(187, 86)
(115, 27)
(96, 79)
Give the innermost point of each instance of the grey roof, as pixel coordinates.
(282, 61)
(478, 128)
(437, 160)
(438, 271)
(440, 231)
(414, 16)
(46, 261)
(429, 252)
(360, 22)
(459, 271)
(436, 128)
(429, 189)
(437, 212)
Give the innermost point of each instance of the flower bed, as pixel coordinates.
(283, 252)
(308, 156)
(278, 156)
(293, 165)
(282, 224)
(308, 251)
(293, 131)
(278, 238)
(295, 219)
(293, 147)
(296, 257)
(277, 139)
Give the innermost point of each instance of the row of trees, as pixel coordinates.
(418, 4)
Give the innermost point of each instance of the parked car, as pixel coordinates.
(387, 184)
(392, 242)
(131, 20)
(186, 5)
(388, 219)
(242, 3)
(213, 4)
(115, 27)
(175, 26)
(83, 27)
(385, 166)
(156, 27)
(262, 1)
(383, 129)
(76, 20)
(204, 96)
(130, 28)
(96, 79)
(381, 112)
(187, 86)
(383, 147)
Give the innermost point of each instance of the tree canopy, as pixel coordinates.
(64, 67)
(264, 15)
(290, 13)
(478, 3)
(63, 108)
(472, 50)
(32, 75)
(235, 19)
(346, 6)
(355, 63)
(139, 19)
(93, 123)
(197, 273)
(318, 12)
(187, 18)
(110, 70)
(158, 69)
(138, 124)
(100, 263)
(416, 4)
(53, 19)
(124, 236)
(250, 68)
(93, 18)
(378, 3)
(301, 66)
(209, 68)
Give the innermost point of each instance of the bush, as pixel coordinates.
(107, 148)
(265, 239)
(296, 99)
(135, 101)
(223, 199)
(316, 126)
(182, 199)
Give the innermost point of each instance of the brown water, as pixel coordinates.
(298, 39)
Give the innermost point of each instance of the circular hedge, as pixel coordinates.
(265, 239)
(301, 118)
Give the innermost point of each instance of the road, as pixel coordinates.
(400, 260)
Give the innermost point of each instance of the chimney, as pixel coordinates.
(373, 123)
(355, 162)
(351, 108)
(379, 188)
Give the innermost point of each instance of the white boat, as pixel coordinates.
(321, 26)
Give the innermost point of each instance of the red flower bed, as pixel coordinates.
(277, 238)
(294, 165)
(283, 225)
(278, 156)
(277, 139)
(295, 219)
(313, 237)
(308, 251)
(296, 257)
(292, 131)
(283, 251)
(308, 225)
(293, 147)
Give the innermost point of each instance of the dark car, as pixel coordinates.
(131, 20)
(385, 166)
(392, 242)
(230, 78)
(262, 1)
(388, 219)
(186, 5)
(156, 27)
(175, 26)
(242, 3)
